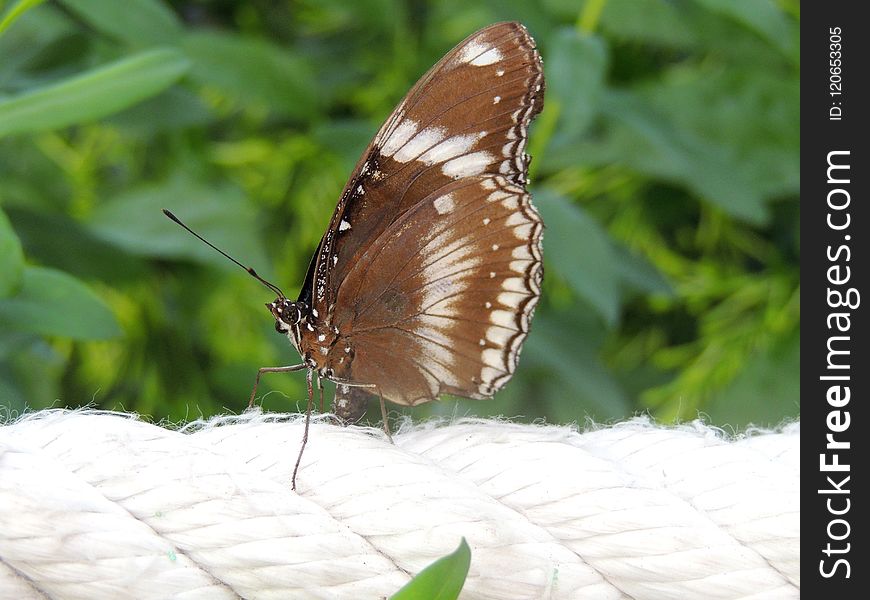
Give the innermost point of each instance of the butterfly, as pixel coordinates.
(428, 274)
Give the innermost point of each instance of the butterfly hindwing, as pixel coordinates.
(441, 301)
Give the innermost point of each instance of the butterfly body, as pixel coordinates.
(426, 279)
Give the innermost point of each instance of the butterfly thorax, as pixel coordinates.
(312, 337)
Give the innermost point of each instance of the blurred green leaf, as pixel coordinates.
(30, 372)
(92, 95)
(254, 71)
(760, 394)
(645, 140)
(763, 17)
(575, 68)
(578, 249)
(568, 346)
(53, 303)
(134, 221)
(658, 22)
(174, 109)
(18, 9)
(637, 275)
(93, 257)
(136, 22)
(11, 258)
(746, 115)
(442, 580)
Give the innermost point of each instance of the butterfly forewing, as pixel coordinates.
(468, 116)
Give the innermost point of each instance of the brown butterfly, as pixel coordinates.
(428, 274)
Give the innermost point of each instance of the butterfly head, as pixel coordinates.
(287, 314)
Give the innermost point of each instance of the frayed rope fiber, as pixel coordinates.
(103, 505)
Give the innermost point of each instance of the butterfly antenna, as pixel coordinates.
(250, 270)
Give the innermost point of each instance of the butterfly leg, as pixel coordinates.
(307, 423)
(384, 415)
(262, 370)
(320, 388)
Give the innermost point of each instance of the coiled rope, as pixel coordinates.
(104, 505)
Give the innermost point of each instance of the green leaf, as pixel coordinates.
(585, 255)
(134, 221)
(644, 139)
(568, 346)
(751, 116)
(94, 94)
(576, 63)
(137, 22)
(657, 22)
(254, 71)
(53, 303)
(637, 274)
(11, 258)
(47, 238)
(763, 17)
(762, 377)
(18, 9)
(442, 580)
(175, 109)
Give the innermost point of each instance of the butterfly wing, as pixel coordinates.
(467, 117)
(441, 301)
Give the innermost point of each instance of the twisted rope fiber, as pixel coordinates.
(103, 505)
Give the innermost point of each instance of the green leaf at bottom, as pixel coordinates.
(442, 580)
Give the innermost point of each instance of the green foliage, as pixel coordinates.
(442, 580)
(665, 167)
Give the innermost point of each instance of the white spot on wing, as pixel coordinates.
(487, 58)
(343, 226)
(521, 252)
(474, 51)
(496, 100)
(514, 284)
(492, 356)
(515, 219)
(397, 138)
(499, 336)
(418, 144)
(519, 266)
(467, 165)
(450, 148)
(503, 318)
(444, 204)
(524, 232)
(488, 374)
(511, 299)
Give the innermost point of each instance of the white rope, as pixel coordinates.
(102, 505)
